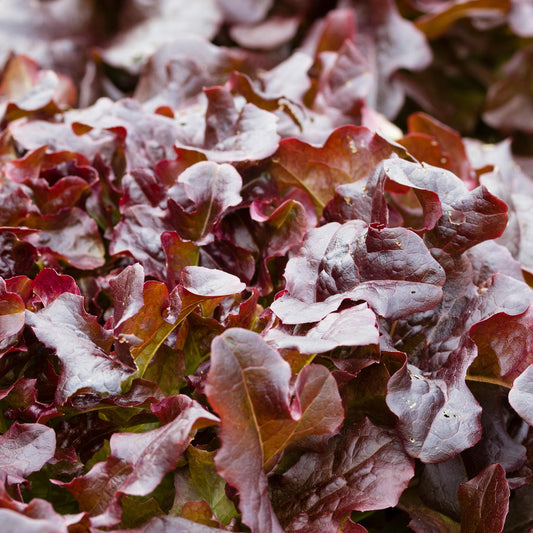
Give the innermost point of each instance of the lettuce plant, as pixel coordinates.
(266, 266)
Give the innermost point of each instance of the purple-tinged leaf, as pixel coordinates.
(355, 326)
(72, 236)
(24, 449)
(508, 105)
(82, 346)
(48, 285)
(138, 461)
(96, 490)
(255, 427)
(138, 234)
(12, 311)
(505, 346)
(176, 73)
(179, 254)
(496, 444)
(439, 484)
(364, 468)
(468, 217)
(425, 519)
(389, 42)
(521, 395)
(230, 135)
(349, 154)
(278, 232)
(145, 27)
(452, 150)
(210, 283)
(438, 417)
(17, 256)
(212, 189)
(154, 453)
(485, 501)
(127, 294)
(146, 137)
(356, 262)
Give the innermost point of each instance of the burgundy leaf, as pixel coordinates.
(379, 22)
(24, 449)
(139, 234)
(438, 417)
(146, 137)
(348, 155)
(176, 73)
(48, 285)
(485, 501)
(505, 346)
(212, 189)
(82, 346)
(231, 135)
(145, 27)
(179, 254)
(255, 427)
(520, 395)
(210, 283)
(468, 217)
(72, 236)
(138, 461)
(127, 294)
(364, 468)
(154, 453)
(453, 154)
(496, 444)
(356, 262)
(12, 311)
(355, 326)
(508, 105)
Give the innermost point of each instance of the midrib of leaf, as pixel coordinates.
(251, 406)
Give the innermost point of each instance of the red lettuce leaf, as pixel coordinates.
(520, 395)
(254, 427)
(485, 501)
(145, 27)
(138, 461)
(212, 189)
(82, 346)
(71, 236)
(468, 217)
(24, 449)
(438, 417)
(355, 326)
(230, 134)
(138, 234)
(356, 262)
(364, 468)
(349, 154)
(12, 311)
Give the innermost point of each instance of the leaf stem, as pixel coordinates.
(486, 379)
